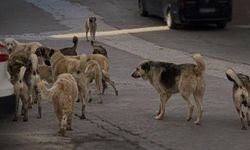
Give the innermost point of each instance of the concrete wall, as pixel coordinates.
(241, 12)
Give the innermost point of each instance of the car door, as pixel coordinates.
(154, 7)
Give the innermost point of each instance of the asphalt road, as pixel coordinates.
(125, 121)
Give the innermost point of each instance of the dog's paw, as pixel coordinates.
(243, 128)
(99, 102)
(69, 129)
(188, 118)
(248, 123)
(83, 117)
(159, 117)
(116, 93)
(90, 100)
(39, 117)
(25, 119)
(197, 122)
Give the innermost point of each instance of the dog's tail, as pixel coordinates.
(200, 64)
(93, 66)
(35, 75)
(75, 42)
(232, 76)
(46, 92)
(21, 74)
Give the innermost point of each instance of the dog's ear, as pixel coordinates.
(146, 66)
(38, 52)
(52, 51)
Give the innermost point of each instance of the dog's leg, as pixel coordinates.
(26, 107)
(63, 125)
(87, 30)
(159, 111)
(16, 109)
(248, 115)
(69, 122)
(241, 115)
(198, 101)
(39, 107)
(83, 100)
(112, 83)
(164, 98)
(186, 97)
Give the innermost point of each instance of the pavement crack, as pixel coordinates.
(130, 133)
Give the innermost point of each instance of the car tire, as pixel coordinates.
(169, 20)
(221, 25)
(142, 9)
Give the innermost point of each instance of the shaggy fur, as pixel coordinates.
(22, 92)
(90, 26)
(64, 92)
(241, 91)
(71, 51)
(169, 78)
(45, 72)
(13, 45)
(98, 49)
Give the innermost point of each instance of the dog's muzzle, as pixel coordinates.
(135, 75)
(47, 62)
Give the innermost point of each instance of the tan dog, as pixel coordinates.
(90, 26)
(13, 45)
(241, 91)
(169, 78)
(22, 92)
(45, 72)
(64, 92)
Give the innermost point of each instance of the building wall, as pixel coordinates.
(241, 12)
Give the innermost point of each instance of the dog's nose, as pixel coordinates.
(47, 63)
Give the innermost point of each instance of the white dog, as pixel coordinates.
(13, 45)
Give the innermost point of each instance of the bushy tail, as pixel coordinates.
(42, 87)
(232, 76)
(21, 74)
(200, 64)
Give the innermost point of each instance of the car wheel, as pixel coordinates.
(142, 9)
(221, 25)
(169, 20)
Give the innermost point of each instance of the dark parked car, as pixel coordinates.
(178, 12)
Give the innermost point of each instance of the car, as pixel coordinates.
(181, 12)
(7, 97)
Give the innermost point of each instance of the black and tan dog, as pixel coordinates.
(241, 90)
(169, 78)
(90, 26)
(99, 49)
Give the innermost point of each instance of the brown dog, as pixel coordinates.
(90, 26)
(64, 92)
(241, 91)
(169, 78)
(98, 49)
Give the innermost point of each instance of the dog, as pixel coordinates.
(90, 26)
(98, 49)
(170, 78)
(22, 92)
(71, 51)
(64, 92)
(45, 72)
(241, 91)
(13, 45)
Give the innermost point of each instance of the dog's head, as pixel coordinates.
(10, 44)
(142, 70)
(45, 53)
(92, 19)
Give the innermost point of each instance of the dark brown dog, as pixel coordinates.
(71, 51)
(98, 49)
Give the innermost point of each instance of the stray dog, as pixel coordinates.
(241, 90)
(64, 92)
(71, 51)
(169, 78)
(98, 49)
(13, 45)
(22, 92)
(45, 72)
(90, 26)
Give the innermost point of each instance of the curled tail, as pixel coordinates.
(232, 76)
(200, 64)
(75, 42)
(21, 74)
